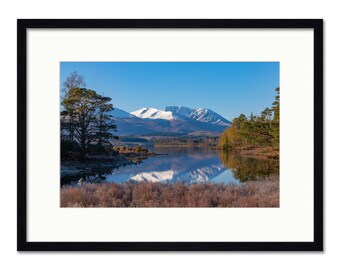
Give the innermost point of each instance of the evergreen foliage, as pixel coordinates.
(254, 131)
(86, 122)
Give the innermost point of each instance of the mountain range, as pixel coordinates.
(174, 120)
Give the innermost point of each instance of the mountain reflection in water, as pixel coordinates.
(188, 165)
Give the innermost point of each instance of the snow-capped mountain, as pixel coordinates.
(118, 113)
(152, 113)
(182, 113)
(200, 114)
(174, 120)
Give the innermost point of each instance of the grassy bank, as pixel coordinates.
(250, 194)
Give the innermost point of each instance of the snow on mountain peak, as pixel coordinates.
(153, 113)
(118, 113)
(199, 114)
(182, 113)
(179, 111)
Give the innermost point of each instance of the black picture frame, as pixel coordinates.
(24, 24)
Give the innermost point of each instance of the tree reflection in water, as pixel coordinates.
(182, 165)
(245, 169)
(91, 176)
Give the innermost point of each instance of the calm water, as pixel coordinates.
(189, 165)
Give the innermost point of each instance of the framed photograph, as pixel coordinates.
(170, 135)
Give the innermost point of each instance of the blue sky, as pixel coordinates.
(229, 88)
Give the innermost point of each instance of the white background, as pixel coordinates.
(328, 10)
(292, 221)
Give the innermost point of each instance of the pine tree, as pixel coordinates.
(91, 120)
(275, 126)
(105, 124)
(73, 81)
(260, 130)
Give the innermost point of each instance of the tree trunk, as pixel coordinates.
(83, 151)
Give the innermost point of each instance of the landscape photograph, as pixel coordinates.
(170, 134)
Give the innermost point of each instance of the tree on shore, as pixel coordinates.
(73, 81)
(254, 131)
(275, 125)
(91, 122)
(105, 123)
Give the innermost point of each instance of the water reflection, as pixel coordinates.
(245, 169)
(189, 165)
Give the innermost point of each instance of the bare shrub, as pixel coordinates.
(249, 194)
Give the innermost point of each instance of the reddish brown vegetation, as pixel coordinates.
(249, 194)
